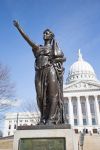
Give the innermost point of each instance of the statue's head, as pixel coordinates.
(48, 34)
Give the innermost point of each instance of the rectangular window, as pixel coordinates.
(93, 121)
(75, 122)
(84, 122)
(26, 120)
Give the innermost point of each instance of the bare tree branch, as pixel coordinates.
(6, 88)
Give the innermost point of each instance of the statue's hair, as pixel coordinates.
(50, 32)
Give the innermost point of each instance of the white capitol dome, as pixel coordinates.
(81, 70)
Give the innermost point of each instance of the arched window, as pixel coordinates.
(66, 110)
(14, 126)
(92, 105)
(83, 106)
(75, 109)
(9, 126)
(99, 102)
(92, 108)
(74, 101)
(99, 105)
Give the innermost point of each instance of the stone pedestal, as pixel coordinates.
(60, 137)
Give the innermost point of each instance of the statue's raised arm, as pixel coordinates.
(30, 42)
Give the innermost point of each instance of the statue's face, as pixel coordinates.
(47, 35)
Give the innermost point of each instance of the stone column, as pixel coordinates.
(71, 117)
(88, 111)
(97, 110)
(80, 118)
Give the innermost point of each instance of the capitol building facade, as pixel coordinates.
(82, 97)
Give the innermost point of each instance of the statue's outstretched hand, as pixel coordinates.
(24, 35)
(16, 24)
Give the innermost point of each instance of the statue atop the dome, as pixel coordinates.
(79, 55)
(48, 77)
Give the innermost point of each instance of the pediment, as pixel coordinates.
(82, 85)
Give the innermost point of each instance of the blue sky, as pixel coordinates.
(76, 24)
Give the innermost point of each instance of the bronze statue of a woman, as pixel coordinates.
(48, 77)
